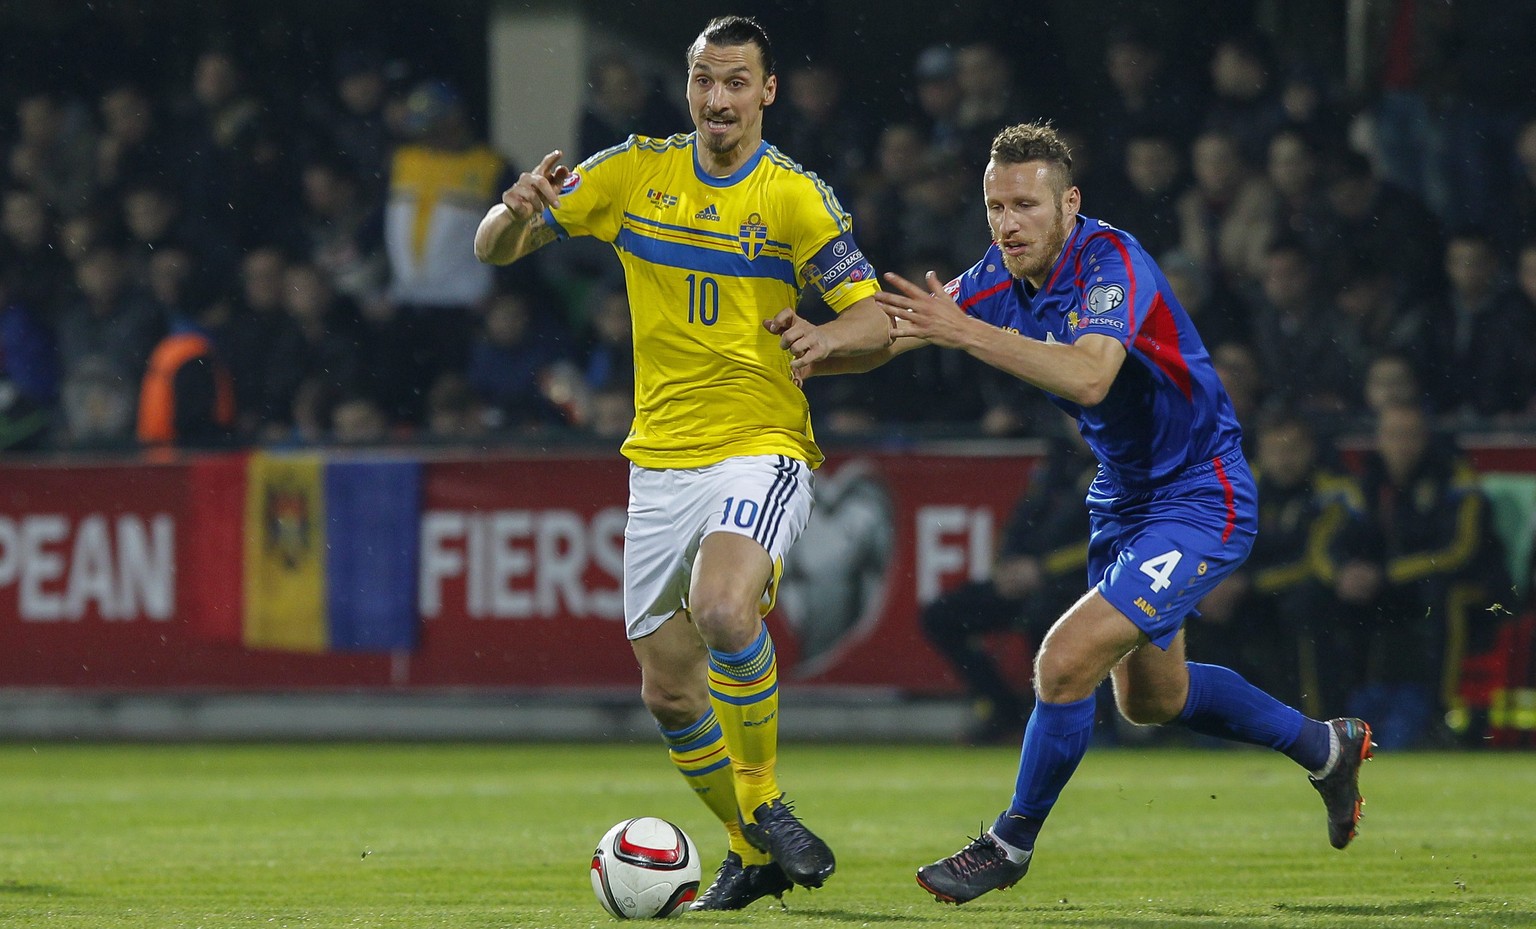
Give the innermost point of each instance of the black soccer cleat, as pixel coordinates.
(1341, 787)
(981, 866)
(736, 885)
(805, 859)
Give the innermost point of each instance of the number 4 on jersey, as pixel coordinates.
(1160, 569)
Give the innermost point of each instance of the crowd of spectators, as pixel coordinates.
(308, 257)
(1278, 204)
(204, 266)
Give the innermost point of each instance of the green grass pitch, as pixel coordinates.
(500, 836)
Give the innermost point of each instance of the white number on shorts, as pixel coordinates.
(746, 512)
(1160, 569)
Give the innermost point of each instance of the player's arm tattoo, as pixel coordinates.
(517, 239)
(539, 234)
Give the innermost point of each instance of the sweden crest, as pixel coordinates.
(753, 235)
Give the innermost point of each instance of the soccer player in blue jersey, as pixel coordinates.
(717, 230)
(1079, 309)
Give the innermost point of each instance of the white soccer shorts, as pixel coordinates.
(764, 497)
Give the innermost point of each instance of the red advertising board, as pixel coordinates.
(128, 577)
(521, 566)
(519, 578)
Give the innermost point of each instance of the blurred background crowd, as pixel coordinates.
(241, 241)
(1346, 233)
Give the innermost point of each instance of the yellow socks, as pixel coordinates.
(744, 689)
(699, 752)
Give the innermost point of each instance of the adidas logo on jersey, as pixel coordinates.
(708, 213)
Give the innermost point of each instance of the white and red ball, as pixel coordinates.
(645, 868)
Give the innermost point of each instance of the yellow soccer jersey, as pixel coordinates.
(706, 260)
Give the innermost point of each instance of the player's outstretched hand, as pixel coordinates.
(536, 189)
(801, 338)
(928, 314)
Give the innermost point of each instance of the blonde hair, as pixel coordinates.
(1037, 141)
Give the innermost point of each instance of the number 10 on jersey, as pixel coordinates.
(703, 299)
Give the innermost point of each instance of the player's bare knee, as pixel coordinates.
(1146, 708)
(1059, 680)
(725, 626)
(673, 708)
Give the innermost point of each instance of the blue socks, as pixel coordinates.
(1222, 704)
(1054, 742)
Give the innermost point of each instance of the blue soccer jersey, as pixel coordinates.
(1167, 411)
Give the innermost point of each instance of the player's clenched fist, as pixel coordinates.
(536, 189)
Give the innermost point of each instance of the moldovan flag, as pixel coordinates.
(330, 553)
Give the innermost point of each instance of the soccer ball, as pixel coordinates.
(645, 868)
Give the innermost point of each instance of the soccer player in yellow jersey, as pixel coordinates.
(717, 231)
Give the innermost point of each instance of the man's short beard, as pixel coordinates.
(1039, 265)
(1018, 267)
(717, 144)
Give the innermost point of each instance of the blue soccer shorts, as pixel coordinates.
(1154, 554)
